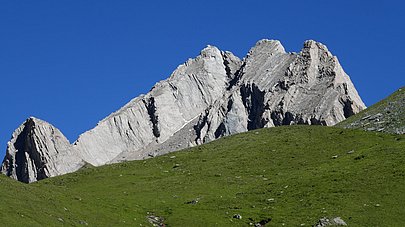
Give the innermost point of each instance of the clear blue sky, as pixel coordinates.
(74, 62)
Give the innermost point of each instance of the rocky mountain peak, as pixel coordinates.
(213, 95)
(268, 47)
(33, 119)
(312, 44)
(38, 150)
(32, 122)
(210, 52)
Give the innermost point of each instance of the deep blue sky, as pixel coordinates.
(72, 63)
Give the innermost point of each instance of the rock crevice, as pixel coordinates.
(150, 106)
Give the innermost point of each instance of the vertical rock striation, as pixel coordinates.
(214, 95)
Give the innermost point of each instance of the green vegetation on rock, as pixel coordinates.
(387, 115)
(292, 175)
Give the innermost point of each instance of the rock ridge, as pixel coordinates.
(213, 95)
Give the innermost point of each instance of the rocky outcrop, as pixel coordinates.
(217, 94)
(337, 221)
(36, 151)
(388, 115)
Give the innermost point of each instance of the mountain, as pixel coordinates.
(214, 95)
(387, 115)
(286, 176)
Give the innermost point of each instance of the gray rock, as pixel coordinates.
(153, 119)
(81, 222)
(36, 151)
(214, 95)
(337, 221)
(155, 220)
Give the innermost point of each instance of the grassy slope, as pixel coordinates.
(234, 175)
(387, 115)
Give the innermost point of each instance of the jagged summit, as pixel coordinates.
(35, 121)
(268, 46)
(314, 44)
(213, 95)
(210, 51)
(31, 118)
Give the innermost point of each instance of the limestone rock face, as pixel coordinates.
(155, 117)
(37, 151)
(277, 88)
(214, 95)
